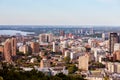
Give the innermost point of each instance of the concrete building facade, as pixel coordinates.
(83, 62)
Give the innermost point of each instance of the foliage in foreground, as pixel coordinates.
(10, 73)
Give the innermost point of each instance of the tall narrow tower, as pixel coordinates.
(13, 46)
(113, 39)
(7, 51)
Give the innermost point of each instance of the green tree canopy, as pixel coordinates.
(67, 60)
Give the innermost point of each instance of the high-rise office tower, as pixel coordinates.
(113, 39)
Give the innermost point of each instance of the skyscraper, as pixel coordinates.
(8, 51)
(13, 46)
(113, 39)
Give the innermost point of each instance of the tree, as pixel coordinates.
(72, 69)
(20, 53)
(55, 78)
(62, 76)
(106, 78)
(67, 60)
(12, 73)
(76, 77)
(1, 78)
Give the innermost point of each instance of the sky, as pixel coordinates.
(60, 12)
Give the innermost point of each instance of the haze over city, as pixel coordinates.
(59, 39)
(60, 12)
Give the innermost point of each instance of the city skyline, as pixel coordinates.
(60, 12)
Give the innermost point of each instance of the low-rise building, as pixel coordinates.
(24, 49)
(44, 63)
(113, 67)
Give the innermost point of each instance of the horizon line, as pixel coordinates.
(60, 25)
